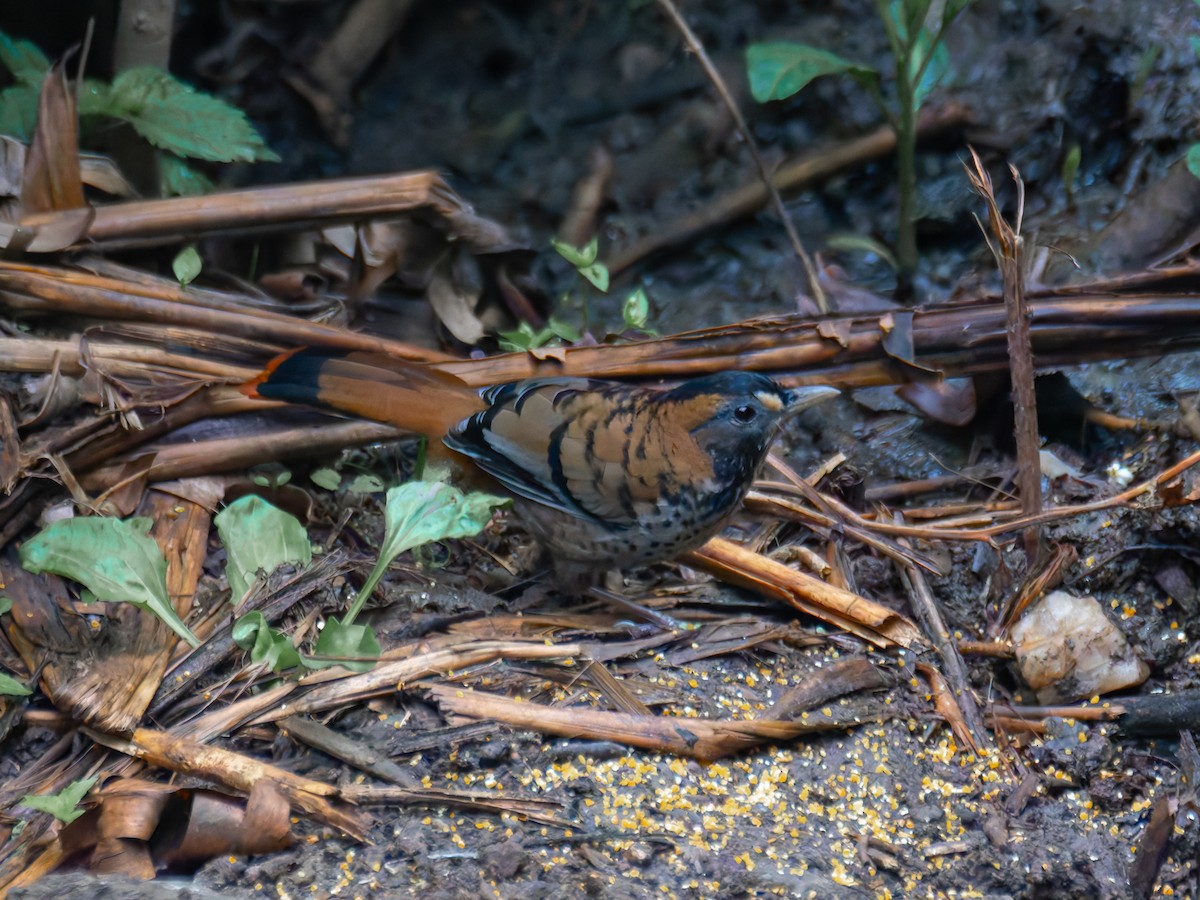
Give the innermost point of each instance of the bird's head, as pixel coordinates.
(733, 416)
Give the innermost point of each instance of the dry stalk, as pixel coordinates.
(1008, 249)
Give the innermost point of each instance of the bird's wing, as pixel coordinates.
(553, 440)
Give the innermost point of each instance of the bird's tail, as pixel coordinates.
(408, 395)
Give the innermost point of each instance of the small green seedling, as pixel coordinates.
(64, 805)
(584, 260)
(180, 121)
(915, 31)
(267, 646)
(415, 514)
(259, 538)
(187, 265)
(115, 560)
(526, 337)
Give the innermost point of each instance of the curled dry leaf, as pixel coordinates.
(139, 827)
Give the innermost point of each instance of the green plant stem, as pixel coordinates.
(361, 600)
(904, 120)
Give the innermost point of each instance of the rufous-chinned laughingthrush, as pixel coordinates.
(604, 474)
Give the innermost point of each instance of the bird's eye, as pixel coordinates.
(745, 413)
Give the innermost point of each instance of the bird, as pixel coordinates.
(603, 474)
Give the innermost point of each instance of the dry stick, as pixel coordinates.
(321, 204)
(926, 610)
(358, 753)
(1008, 250)
(186, 756)
(693, 42)
(534, 809)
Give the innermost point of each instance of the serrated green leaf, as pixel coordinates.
(187, 265)
(10, 687)
(174, 116)
(365, 484)
(268, 646)
(5, 605)
(341, 643)
(579, 257)
(18, 111)
(419, 512)
(27, 63)
(64, 805)
(259, 537)
(177, 179)
(778, 70)
(329, 479)
(116, 560)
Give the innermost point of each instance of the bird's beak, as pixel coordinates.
(804, 397)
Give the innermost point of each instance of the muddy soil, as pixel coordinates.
(511, 100)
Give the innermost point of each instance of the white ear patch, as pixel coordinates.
(769, 400)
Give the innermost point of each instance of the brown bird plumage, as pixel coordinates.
(605, 474)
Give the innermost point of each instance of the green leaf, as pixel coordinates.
(861, 243)
(929, 64)
(271, 475)
(5, 605)
(64, 805)
(779, 70)
(579, 257)
(521, 338)
(914, 12)
(10, 687)
(345, 642)
(327, 478)
(420, 512)
(259, 537)
(526, 338)
(187, 265)
(177, 179)
(18, 111)
(173, 116)
(115, 560)
(636, 310)
(95, 97)
(365, 484)
(267, 645)
(597, 274)
(563, 330)
(1193, 159)
(27, 63)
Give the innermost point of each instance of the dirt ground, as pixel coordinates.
(510, 99)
